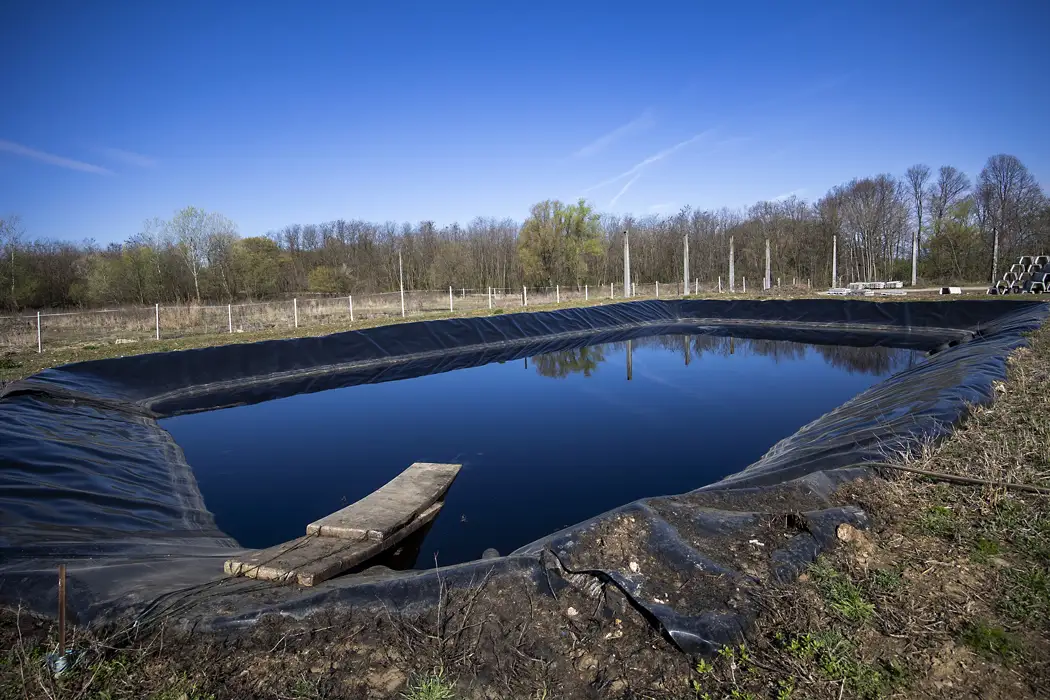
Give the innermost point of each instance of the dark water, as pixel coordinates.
(544, 442)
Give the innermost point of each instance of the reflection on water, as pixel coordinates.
(537, 455)
(877, 361)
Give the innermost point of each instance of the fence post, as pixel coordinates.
(229, 316)
(39, 341)
(157, 311)
(586, 295)
(720, 284)
(295, 309)
(611, 295)
(350, 298)
(450, 298)
(732, 267)
(745, 285)
(778, 283)
(557, 294)
(524, 296)
(634, 289)
(401, 283)
(696, 289)
(657, 290)
(490, 297)
(834, 261)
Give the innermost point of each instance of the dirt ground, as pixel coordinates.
(946, 595)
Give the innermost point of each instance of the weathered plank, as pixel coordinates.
(312, 559)
(385, 511)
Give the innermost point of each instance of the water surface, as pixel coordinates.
(544, 442)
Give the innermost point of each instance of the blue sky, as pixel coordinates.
(277, 113)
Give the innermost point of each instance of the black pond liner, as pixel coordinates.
(89, 479)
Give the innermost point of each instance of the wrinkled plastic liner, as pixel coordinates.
(88, 478)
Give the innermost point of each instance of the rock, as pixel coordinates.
(124, 341)
(587, 663)
(490, 553)
(572, 612)
(633, 566)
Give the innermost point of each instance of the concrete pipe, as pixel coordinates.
(1010, 277)
(1042, 260)
(1025, 260)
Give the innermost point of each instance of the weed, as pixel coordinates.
(785, 688)
(1027, 593)
(991, 641)
(182, 688)
(886, 580)
(430, 687)
(836, 659)
(984, 549)
(940, 521)
(703, 666)
(840, 594)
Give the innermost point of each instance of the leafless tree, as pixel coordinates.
(1015, 200)
(917, 176)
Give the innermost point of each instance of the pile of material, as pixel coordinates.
(1030, 275)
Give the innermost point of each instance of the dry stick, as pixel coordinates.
(956, 478)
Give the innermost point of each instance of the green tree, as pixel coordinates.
(260, 266)
(556, 241)
(327, 280)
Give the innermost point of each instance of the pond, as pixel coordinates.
(545, 442)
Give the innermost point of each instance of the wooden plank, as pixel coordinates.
(312, 559)
(385, 511)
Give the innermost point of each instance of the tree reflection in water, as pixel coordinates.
(873, 360)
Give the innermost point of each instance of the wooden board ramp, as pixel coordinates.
(353, 535)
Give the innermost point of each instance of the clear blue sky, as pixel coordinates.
(277, 113)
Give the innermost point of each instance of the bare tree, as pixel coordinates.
(193, 231)
(1015, 199)
(951, 187)
(10, 240)
(918, 176)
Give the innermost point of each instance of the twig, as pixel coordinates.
(959, 479)
(842, 688)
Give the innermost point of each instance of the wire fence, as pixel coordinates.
(65, 329)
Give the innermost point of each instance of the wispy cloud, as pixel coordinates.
(600, 144)
(788, 195)
(51, 159)
(128, 157)
(662, 207)
(624, 189)
(655, 158)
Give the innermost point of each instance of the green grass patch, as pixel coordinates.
(984, 549)
(841, 594)
(940, 521)
(992, 642)
(835, 657)
(1026, 595)
(886, 581)
(434, 686)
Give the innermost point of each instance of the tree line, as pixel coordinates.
(937, 222)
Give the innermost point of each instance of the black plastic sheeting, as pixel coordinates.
(89, 479)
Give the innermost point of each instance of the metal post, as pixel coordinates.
(732, 269)
(657, 290)
(350, 299)
(834, 261)
(39, 341)
(720, 284)
(490, 297)
(586, 295)
(524, 296)
(295, 309)
(626, 265)
(450, 298)
(157, 311)
(611, 295)
(401, 282)
(685, 263)
(634, 289)
(229, 316)
(696, 289)
(745, 285)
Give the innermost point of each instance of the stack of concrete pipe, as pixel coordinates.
(1030, 275)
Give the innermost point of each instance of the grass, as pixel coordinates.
(840, 593)
(434, 686)
(993, 642)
